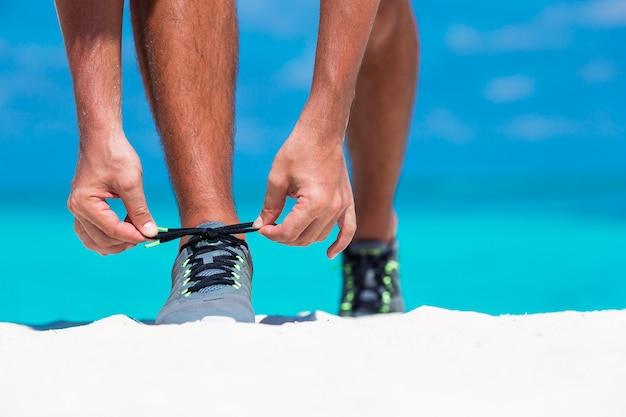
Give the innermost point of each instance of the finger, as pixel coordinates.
(94, 210)
(93, 238)
(338, 208)
(317, 231)
(96, 240)
(328, 229)
(138, 213)
(347, 228)
(111, 247)
(106, 221)
(273, 203)
(295, 223)
(308, 236)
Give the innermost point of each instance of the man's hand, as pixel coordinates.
(109, 168)
(311, 166)
(311, 169)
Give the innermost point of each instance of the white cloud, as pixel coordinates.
(536, 127)
(603, 13)
(550, 29)
(441, 123)
(531, 36)
(509, 89)
(598, 71)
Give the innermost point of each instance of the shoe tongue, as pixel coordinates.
(212, 225)
(207, 257)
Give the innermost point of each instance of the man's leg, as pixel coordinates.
(187, 52)
(376, 137)
(380, 118)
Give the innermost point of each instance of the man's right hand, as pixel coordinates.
(107, 168)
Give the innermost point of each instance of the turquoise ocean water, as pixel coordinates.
(500, 246)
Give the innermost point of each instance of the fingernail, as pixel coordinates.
(149, 229)
(258, 223)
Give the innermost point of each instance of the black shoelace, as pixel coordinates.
(222, 239)
(205, 233)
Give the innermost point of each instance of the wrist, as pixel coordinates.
(99, 126)
(98, 107)
(102, 140)
(327, 112)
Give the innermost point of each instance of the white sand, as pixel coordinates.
(429, 362)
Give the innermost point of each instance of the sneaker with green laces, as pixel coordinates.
(370, 279)
(211, 277)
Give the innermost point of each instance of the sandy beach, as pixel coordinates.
(430, 362)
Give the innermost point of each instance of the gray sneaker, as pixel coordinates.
(370, 279)
(211, 277)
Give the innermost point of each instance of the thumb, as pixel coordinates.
(138, 213)
(273, 205)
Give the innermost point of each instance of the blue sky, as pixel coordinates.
(520, 88)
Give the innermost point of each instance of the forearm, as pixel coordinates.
(92, 34)
(344, 30)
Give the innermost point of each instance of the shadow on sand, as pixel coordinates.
(270, 320)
